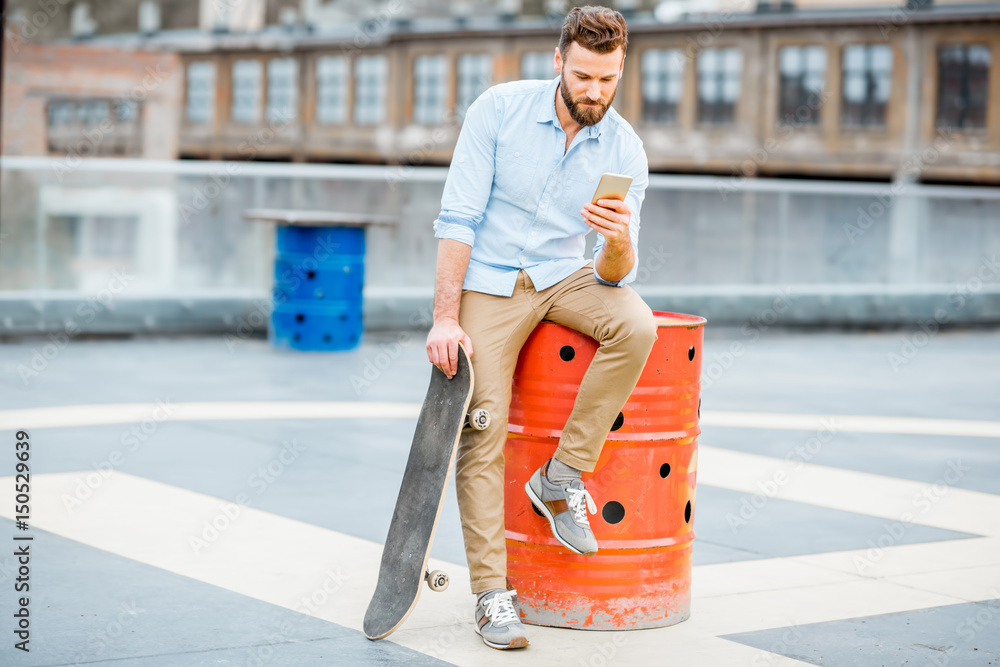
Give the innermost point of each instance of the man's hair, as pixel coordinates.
(596, 29)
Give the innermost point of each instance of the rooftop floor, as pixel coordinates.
(125, 569)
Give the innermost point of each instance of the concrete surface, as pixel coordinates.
(824, 571)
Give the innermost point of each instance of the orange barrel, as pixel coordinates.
(644, 484)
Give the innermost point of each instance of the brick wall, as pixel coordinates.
(35, 74)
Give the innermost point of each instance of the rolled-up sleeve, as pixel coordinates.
(470, 176)
(636, 166)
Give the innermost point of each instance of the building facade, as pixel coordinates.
(883, 93)
(83, 101)
(815, 89)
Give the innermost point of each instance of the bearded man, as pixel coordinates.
(514, 216)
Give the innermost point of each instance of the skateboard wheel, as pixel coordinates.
(437, 580)
(479, 419)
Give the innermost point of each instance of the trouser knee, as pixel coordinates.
(638, 334)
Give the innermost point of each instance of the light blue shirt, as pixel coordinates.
(515, 196)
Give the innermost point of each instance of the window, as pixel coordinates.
(201, 92)
(87, 128)
(282, 89)
(963, 72)
(867, 85)
(246, 91)
(331, 90)
(475, 74)
(662, 82)
(718, 85)
(803, 78)
(537, 65)
(369, 89)
(430, 88)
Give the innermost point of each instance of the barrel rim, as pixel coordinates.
(664, 319)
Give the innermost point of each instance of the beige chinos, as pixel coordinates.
(498, 325)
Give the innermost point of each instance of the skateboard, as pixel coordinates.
(403, 570)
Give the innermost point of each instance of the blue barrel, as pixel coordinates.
(318, 281)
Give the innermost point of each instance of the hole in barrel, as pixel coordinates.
(613, 512)
(665, 470)
(536, 510)
(691, 353)
(618, 422)
(566, 353)
(300, 318)
(327, 338)
(687, 512)
(310, 274)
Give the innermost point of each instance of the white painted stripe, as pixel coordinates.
(939, 504)
(89, 415)
(855, 423)
(281, 561)
(123, 413)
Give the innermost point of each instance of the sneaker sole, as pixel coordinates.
(517, 642)
(543, 508)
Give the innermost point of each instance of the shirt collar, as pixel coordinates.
(547, 114)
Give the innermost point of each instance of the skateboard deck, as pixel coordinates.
(421, 494)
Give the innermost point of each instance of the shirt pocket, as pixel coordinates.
(578, 188)
(514, 174)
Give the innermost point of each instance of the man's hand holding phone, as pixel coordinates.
(607, 213)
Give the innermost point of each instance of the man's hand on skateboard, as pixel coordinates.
(442, 345)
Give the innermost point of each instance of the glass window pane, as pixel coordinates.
(866, 85)
(537, 65)
(854, 58)
(662, 79)
(429, 89)
(881, 58)
(854, 87)
(200, 92)
(475, 75)
(708, 61)
(816, 59)
(369, 91)
(979, 55)
(733, 61)
(331, 89)
(790, 60)
(963, 72)
(246, 91)
(282, 89)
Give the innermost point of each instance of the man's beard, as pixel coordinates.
(584, 115)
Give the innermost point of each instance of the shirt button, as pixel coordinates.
(516, 154)
(461, 159)
(522, 258)
(542, 207)
(591, 179)
(534, 233)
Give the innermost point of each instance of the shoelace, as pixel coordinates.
(577, 496)
(500, 608)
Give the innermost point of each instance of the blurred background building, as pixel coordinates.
(898, 102)
(845, 89)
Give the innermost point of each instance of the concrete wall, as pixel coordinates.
(803, 253)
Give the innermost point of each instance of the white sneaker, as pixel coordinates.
(497, 621)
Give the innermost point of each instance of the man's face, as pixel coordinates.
(588, 81)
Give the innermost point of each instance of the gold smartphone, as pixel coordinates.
(612, 186)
